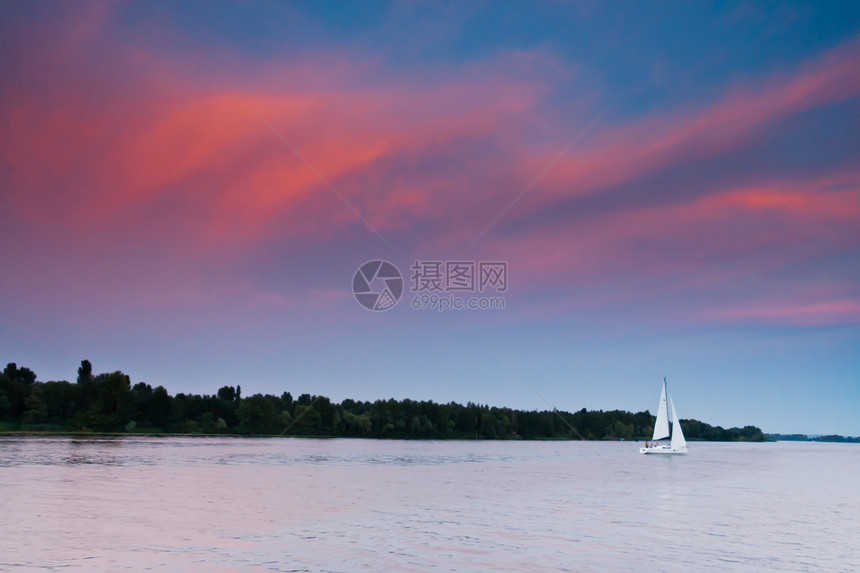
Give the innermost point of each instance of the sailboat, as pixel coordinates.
(677, 445)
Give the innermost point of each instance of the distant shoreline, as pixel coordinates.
(772, 438)
(830, 438)
(109, 404)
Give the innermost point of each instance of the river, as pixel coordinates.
(244, 504)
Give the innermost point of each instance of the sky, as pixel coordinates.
(187, 190)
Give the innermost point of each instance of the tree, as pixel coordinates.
(85, 372)
(326, 411)
(256, 414)
(227, 393)
(15, 383)
(117, 392)
(5, 405)
(37, 411)
(24, 375)
(284, 420)
(60, 399)
(287, 399)
(160, 407)
(622, 430)
(306, 418)
(467, 421)
(488, 425)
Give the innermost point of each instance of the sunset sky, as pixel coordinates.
(188, 188)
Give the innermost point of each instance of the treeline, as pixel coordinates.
(109, 402)
(808, 438)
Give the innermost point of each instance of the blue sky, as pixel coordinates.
(701, 224)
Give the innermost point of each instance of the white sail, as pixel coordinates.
(661, 426)
(678, 440)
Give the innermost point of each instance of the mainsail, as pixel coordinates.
(678, 440)
(661, 427)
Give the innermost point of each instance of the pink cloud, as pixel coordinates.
(624, 152)
(720, 250)
(175, 170)
(787, 214)
(225, 173)
(792, 313)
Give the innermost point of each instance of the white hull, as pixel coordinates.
(663, 450)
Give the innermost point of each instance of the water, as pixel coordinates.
(230, 504)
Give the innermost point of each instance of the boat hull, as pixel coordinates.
(663, 450)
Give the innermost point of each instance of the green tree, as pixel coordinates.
(85, 372)
(488, 425)
(306, 419)
(23, 375)
(5, 405)
(284, 420)
(117, 394)
(326, 411)
(60, 398)
(256, 414)
(15, 383)
(160, 407)
(227, 393)
(37, 411)
(467, 421)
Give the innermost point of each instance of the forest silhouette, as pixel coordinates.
(110, 403)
